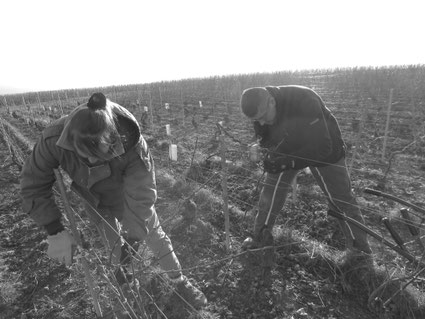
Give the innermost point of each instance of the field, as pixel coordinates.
(207, 200)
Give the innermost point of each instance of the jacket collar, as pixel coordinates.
(280, 101)
(273, 90)
(118, 148)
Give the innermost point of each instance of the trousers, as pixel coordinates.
(335, 183)
(132, 229)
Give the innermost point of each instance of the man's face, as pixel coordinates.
(267, 113)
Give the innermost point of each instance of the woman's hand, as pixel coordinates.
(61, 247)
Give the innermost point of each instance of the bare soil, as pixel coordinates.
(306, 276)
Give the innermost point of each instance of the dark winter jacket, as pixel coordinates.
(112, 187)
(305, 132)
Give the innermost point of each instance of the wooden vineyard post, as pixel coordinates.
(6, 138)
(139, 102)
(115, 95)
(295, 190)
(76, 234)
(387, 124)
(28, 108)
(24, 104)
(39, 101)
(357, 144)
(183, 116)
(183, 112)
(224, 188)
(160, 95)
(60, 103)
(150, 110)
(7, 106)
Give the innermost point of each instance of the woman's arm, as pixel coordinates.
(139, 182)
(36, 181)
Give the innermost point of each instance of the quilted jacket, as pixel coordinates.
(111, 187)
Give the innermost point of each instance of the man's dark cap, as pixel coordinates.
(252, 100)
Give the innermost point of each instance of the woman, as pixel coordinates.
(101, 148)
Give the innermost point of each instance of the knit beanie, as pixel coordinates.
(253, 101)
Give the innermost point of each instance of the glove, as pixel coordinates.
(275, 165)
(61, 247)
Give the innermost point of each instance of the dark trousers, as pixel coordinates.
(335, 183)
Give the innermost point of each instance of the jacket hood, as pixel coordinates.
(118, 148)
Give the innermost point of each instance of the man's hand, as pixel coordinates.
(275, 165)
(61, 247)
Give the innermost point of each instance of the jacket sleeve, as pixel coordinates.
(36, 182)
(139, 182)
(316, 143)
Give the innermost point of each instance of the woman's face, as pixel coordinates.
(103, 148)
(91, 159)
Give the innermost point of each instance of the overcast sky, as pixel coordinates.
(58, 44)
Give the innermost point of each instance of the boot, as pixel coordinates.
(190, 293)
(355, 238)
(360, 241)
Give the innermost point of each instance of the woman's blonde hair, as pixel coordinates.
(94, 126)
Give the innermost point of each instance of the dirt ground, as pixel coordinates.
(302, 279)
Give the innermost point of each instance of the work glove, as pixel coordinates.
(61, 247)
(275, 165)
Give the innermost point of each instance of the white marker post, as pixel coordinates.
(254, 153)
(173, 152)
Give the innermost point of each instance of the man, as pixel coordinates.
(299, 131)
